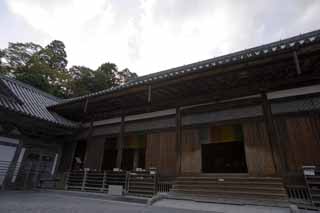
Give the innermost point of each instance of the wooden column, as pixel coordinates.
(120, 143)
(178, 140)
(136, 158)
(87, 140)
(273, 136)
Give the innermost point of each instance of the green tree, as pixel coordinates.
(46, 69)
(82, 81)
(125, 75)
(18, 54)
(54, 55)
(105, 76)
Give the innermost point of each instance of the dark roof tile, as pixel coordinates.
(32, 102)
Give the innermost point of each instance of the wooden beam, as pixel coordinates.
(120, 142)
(149, 94)
(297, 62)
(86, 105)
(276, 152)
(178, 140)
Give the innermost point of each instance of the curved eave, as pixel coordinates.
(290, 44)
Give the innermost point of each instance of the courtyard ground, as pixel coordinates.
(52, 202)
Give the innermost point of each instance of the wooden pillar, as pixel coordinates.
(136, 159)
(273, 136)
(120, 143)
(178, 140)
(87, 140)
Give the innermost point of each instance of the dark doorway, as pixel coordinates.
(223, 158)
(224, 152)
(35, 166)
(127, 159)
(134, 152)
(79, 155)
(110, 154)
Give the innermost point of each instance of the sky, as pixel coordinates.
(152, 35)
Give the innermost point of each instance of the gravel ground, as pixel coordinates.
(63, 202)
(47, 202)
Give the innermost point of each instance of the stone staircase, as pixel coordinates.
(233, 188)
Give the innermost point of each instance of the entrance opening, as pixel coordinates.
(134, 152)
(79, 155)
(110, 154)
(224, 150)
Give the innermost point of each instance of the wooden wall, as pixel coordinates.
(302, 146)
(161, 152)
(257, 148)
(191, 152)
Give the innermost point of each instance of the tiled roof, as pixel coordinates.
(18, 97)
(237, 57)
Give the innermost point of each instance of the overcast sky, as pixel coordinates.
(149, 35)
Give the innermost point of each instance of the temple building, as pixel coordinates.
(249, 120)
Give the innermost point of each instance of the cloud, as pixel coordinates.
(149, 35)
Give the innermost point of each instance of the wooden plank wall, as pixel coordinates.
(191, 152)
(257, 148)
(161, 152)
(303, 141)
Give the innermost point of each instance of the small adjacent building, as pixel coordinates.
(32, 138)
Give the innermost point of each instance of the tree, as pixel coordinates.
(54, 55)
(18, 54)
(105, 76)
(46, 69)
(125, 75)
(85, 80)
(82, 81)
(3, 70)
(50, 62)
(1, 56)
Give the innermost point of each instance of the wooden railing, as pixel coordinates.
(143, 183)
(94, 181)
(298, 194)
(312, 179)
(164, 186)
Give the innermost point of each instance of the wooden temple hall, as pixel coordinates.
(242, 125)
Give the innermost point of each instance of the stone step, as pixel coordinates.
(227, 182)
(231, 199)
(237, 178)
(234, 193)
(231, 187)
(141, 191)
(141, 187)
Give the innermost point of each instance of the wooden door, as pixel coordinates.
(258, 150)
(161, 152)
(191, 152)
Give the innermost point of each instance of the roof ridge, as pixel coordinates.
(34, 89)
(211, 62)
(274, 43)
